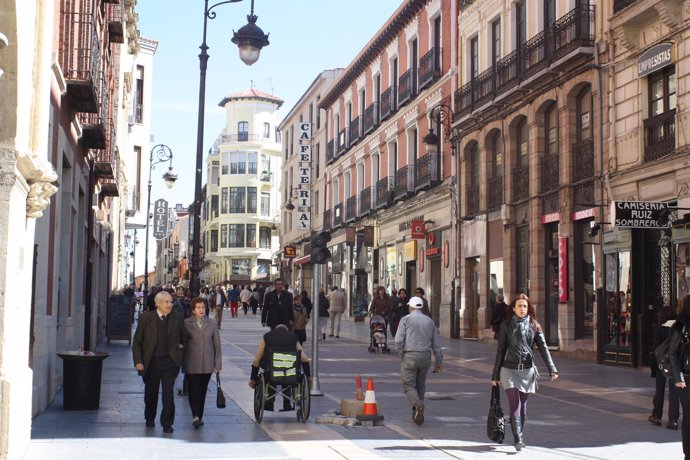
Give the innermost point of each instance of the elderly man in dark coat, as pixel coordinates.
(157, 352)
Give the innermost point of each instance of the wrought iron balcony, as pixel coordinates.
(659, 135)
(550, 167)
(520, 183)
(80, 55)
(343, 144)
(354, 131)
(404, 183)
(430, 67)
(388, 105)
(351, 209)
(384, 192)
(370, 118)
(116, 21)
(584, 192)
(266, 176)
(329, 152)
(574, 30)
(406, 86)
(105, 162)
(427, 171)
(534, 55)
(619, 5)
(550, 202)
(473, 199)
(483, 88)
(94, 125)
(495, 192)
(240, 137)
(508, 72)
(338, 218)
(327, 219)
(365, 202)
(463, 100)
(583, 155)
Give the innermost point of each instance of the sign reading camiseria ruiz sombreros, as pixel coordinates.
(655, 58)
(637, 214)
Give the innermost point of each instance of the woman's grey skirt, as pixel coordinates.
(524, 380)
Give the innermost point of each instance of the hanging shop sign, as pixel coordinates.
(637, 214)
(289, 252)
(303, 220)
(418, 228)
(655, 58)
(369, 236)
(160, 219)
(562, 269)
(433, 244)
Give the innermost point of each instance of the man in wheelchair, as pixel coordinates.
(277, 357)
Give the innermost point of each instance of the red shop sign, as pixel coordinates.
(562, 269)
(418, 229)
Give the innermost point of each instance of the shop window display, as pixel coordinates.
(619, 299)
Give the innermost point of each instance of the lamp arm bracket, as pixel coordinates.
(212, 14)
(162, 153)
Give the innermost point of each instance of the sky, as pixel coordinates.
(306, 37)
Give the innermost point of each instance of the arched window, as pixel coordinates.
(522, 144)
(551, 131)
(584, 115)
(584, 146)
(550, 161)
(497, 155)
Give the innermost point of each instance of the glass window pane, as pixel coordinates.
(224, 200)
(251, 200)
(251, 162)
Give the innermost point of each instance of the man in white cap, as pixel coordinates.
(416, 338)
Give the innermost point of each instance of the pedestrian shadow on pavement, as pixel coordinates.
(479, 448)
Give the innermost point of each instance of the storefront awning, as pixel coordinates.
(302, 260)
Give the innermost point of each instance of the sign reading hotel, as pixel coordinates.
(655, 58)
(637, 214)
(160, 219)
(303, 197)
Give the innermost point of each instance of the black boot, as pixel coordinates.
(516, 426)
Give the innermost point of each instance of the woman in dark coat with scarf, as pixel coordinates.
(666, 320)
(397, 311)
(679, 354)
(514, 365)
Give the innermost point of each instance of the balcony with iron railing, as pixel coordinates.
(338, 217)
(560, 46)
(550, 202)
(266, 176)
(354, 131)
(659, 135)
(109, 183)
(472, 192)
(351, 212)
(343, 143)
(388, 104)
(404, 183)
(116, 21)
(104, 162)
(429, 67)
(520, 183)
(495, 192)
(240, 137)
(79, 56)
(550, 172)
(370, 118)
(427, 171)
(619, 5)
(384, 192)
(365, 202)
(330, 156)
(94, 124)
(407, 86)
(327, 219)
(583, 156)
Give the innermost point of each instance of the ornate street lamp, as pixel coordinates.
(162, 154)
(250, 39)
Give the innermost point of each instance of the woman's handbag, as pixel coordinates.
(220, 397)
(495, 424)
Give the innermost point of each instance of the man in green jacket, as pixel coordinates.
(157, 352)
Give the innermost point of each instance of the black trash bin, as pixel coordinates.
(81, 379)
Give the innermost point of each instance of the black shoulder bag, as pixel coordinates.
(495, 424)
(220, 397)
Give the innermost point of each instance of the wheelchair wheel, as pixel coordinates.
(304, 401)
(259, 398)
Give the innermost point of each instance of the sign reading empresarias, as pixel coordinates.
(637, 214)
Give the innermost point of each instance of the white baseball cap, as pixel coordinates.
(415, 302)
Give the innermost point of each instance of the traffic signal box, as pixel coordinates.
(319, 247)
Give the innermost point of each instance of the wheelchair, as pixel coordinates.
(284, 369)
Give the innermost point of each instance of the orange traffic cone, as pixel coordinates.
(370, 399)
(358, 391)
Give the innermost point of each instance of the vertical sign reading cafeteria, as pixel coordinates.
(304, 178)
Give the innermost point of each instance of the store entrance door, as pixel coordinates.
(473, 284)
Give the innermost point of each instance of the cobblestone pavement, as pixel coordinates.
(592, 411)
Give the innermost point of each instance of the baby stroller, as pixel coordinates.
(379, 337)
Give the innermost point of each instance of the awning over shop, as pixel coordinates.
(302, 260)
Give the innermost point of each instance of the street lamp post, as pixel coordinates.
(162, 154)
(250, 39)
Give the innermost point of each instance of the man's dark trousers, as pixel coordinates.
(163, 371)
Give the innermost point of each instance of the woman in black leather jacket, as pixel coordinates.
(514, 367)
(679, 354)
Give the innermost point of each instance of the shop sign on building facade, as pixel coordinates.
(637, 214)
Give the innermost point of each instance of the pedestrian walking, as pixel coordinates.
(202, 357)
(679, 354)
(666, 320)
(337, 308)
(514, 366)
(254, 301)
(277, 306)
(245, 296)
(157, 354)
(500, 313)
(397, 311)
(380, 304)
(324, 306)
(417, 337)
(219, 302)
(300, 319)
(419, 292)
(234, 299)
(306, 301)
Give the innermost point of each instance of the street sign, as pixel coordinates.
(160, 219)
(637, 214)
